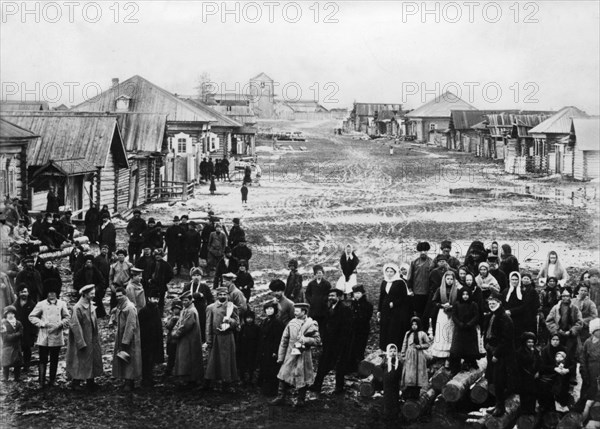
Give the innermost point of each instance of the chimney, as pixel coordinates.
(115, 81)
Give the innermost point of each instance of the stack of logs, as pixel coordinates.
(445, 390)
(66, 248)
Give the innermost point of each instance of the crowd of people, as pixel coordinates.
(432, 309)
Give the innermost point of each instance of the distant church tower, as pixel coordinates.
(263, 96)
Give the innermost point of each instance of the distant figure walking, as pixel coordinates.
(391, 150)
(244, 191)
(212, 187)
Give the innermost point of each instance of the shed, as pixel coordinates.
(13, 159)
(586, 152)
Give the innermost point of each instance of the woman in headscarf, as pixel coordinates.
(553, 268)
(554, 386)
(486, 282)
(405, 271)
(509, 261)
(444, 299)
(476, 254)
(590, 363)
(462, 274)
(465, 339)
(549, 297)
(348, 262)
(395, 307)
(528, 366)
(516, 304)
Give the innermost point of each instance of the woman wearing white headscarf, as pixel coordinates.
(521, 304)
(348, 262)
(395, 307)
(444, 298)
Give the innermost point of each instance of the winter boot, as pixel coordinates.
(281, 394)
(53, 369)
(301, 397)
(42, 375)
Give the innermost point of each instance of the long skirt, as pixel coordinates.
(346, 286)
(444, 330)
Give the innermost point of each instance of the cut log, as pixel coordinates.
(477, 421)
(507, 420)
(456, 388)
(365, 387)
(550, 419)
(479, 391)
(571, 420)
(440, 407)
(414, 408)
(441, 377)
(61, 253)
(368, 364)
(78, 240)
(528, 421)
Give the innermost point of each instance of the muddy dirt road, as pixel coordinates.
(329, 191)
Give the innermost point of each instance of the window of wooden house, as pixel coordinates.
(432, 127)
(3, 184)
(181, 145)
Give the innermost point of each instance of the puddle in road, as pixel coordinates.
(581, 198)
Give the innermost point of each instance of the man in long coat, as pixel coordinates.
(188, 359)
(30, 277)
(316, 295)
(336, 339)
(88, 274)
(222, 319)
(285, 307)
(136, 228)
(174, 242)
(102, 262)
(151, 337)
(293, 285)
(217, 242)
(227, 264)
(24, 306)
(84, 355)
(161, 274)
(128, 365)
(295, 355)
(108, 234)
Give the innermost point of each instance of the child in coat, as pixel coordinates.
(414, 372)
(172, 342)
(391, 382)
(465, 340)
(213, 186)
(248, 341)
(244, 191)
(11, 331)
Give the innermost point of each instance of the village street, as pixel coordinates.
(309, 205)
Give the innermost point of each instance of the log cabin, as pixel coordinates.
(13, 160)
(81, 155)
(586, 148)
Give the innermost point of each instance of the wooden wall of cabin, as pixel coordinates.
(121, 189)
(13, 172)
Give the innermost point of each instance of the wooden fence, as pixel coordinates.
(173, 191)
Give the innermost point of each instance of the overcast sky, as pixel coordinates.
(375, 52)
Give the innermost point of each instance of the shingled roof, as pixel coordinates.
(560, 122)
(440, 107)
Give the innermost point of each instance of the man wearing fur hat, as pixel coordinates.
(295, 356)
(243, 280)
(293, 285)
(498, 337)
(127, 356)
(30, 277)
(174, 244)
(418, 282)
(285, 306)
(84, 355)
(151, 337)
(222, 319)
(445, 248)
(317, 292)
(236, 233)
(88, 274)
(336, 336)
(201, 296)
(108, 234)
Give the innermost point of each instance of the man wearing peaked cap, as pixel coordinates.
(91, 274)
(293, 284)
(136, 228)
(84, 355)
(174, 241)
(316, 295)
(418, 282)
(295, 356)
(30, 277)
(226, 265)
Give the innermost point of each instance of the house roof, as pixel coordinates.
(587, 133)
(306, 106)
(66, 167)
(500, 123)
(71, 135)
(10, 131)
(142, 132)
(369, 109)
(220, 119)
(560, 122)
(440, 107)
(146, 97)
(261, 76)
(466, 119)
(12, 105)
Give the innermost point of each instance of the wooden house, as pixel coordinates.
(551, 141)
(13, 160)
(363, 116)
(80, 154)
(463, 135)
(262, 95)
(586, 147)
(430, 122)
(508, 137)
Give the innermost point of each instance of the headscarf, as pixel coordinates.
(517, 289)
(506, 250)
(407, 266)
(444, 289)
(393, 267)
(391, 358)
